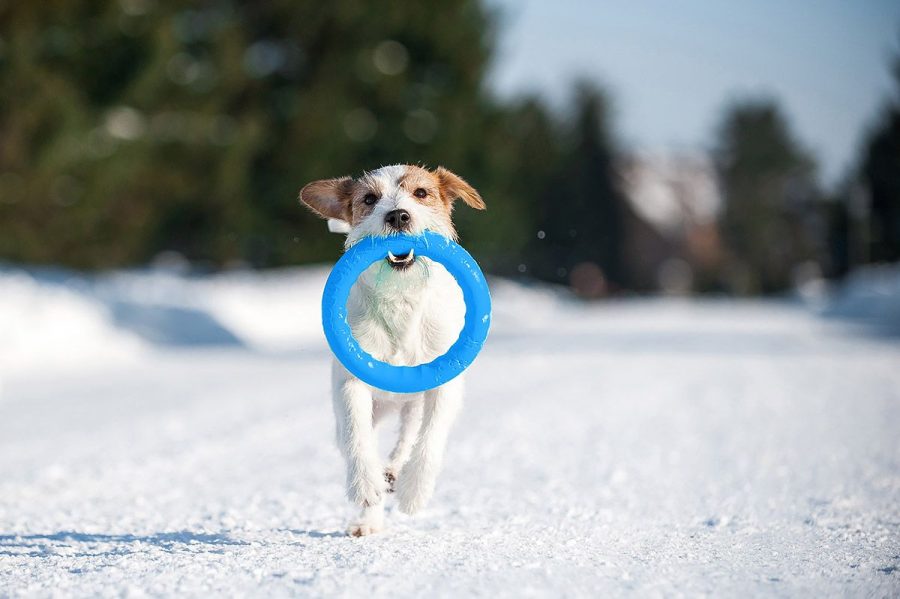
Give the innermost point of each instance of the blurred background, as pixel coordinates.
(620, 148)
(691, 386)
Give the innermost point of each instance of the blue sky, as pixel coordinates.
(673, 65)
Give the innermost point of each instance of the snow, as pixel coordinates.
(165, 434)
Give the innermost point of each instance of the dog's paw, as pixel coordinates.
(390, 477)
(364, 528)
(413, 492)
(367, 488)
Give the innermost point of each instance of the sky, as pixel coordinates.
(673, 66)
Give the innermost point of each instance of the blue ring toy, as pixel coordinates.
(406, 379)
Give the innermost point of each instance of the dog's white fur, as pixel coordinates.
(403, 317)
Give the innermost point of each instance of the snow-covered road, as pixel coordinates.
(659, 446)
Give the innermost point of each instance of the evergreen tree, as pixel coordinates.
(768, 184)
(881, 174)
(128, 127)
(580, 218)
(520, 163)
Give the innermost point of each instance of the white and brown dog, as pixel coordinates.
(404, 310)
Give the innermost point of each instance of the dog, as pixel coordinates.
(404, 310)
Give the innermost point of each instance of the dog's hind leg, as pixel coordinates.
(410, 423)
(415, 485)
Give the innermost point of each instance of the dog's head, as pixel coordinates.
(392, 199)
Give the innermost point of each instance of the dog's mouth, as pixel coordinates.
(401, 262)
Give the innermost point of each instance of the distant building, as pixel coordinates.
(672, 240)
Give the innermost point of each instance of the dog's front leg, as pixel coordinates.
(410, 423)
(415, 484)
(366, 486)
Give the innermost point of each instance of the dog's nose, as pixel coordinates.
(398, 219)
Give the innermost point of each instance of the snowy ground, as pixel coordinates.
(167, 435)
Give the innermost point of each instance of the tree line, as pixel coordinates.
(134, 127)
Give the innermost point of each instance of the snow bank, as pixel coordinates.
(51, 319)
(870, 296)
(57, 319)
(269, 311)
(53, 323)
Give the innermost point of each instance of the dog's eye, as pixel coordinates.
(420, 193)
(370, 199)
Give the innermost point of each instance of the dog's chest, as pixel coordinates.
(409, 323)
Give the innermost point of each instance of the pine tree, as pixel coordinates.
(881, 174)
(129, 127)
(580, 219)
(768, 184)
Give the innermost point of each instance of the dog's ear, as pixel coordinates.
(329, 198)
(454, 187)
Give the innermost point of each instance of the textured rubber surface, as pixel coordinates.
(406, 379)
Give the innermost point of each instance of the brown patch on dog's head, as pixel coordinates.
(423, 186)
(440, 185)
(438, 189)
